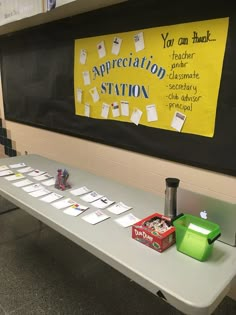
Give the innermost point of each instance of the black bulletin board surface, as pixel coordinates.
(37, 77)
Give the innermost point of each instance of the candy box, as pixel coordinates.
(154, 231)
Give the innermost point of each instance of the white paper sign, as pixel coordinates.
(36, 173)
(83, 56)
(136, 116)
(124, 108)
(6, 172)
(94, 93)
(127, 220)
(139, 42)
(151, 113)
(87, 110)
(51, 197)
(178, 121)
(116, 44)
(63, 203)
(115, 109)
(14, 177)
(101, 49)
(92, 196)
(4, 167)
(17, 165)
(119, 208)
(102, 203)
(43, 177)
(32, 187)
(22, 183)
(105, 110)
(80, 191)
(26, 169)
(40, 192)
(95, 217)
(86, 77)
(75, 210)
(49, 182)
(79, 95)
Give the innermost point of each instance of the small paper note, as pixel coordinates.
(6, 172)
(115, 109)
(80, 191)
(127, 220)
(40, 192)
(4, 167)
(139, 42)
(49, 182)
(119, 208)
(87, 110)
(63, 203)
(51, 197)
(95, 217)
(75, 209)
(116, 45)
(36, 173)
(79, 95)
(102, 203)
(32, 187)
(14, 177)
(136, 116)
(26, 169)
(124, 108)
(105, 110)
(22, 183)
(94, 93)
(17, 165)
(43, 177)
(178, 121)
(151, 113)
(86, 77)
(92, 196)
(101, 49)
(83, 56)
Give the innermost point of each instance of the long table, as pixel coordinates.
(191, 286)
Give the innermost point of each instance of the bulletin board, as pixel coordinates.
(44, 85)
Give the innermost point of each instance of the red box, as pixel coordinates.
(155, 231)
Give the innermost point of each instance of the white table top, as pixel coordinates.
(191, 286)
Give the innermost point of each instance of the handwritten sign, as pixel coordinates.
(174, 68)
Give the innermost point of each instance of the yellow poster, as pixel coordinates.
(164, 77)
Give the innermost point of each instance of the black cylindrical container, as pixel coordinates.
(170, 209)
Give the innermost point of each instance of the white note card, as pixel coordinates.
(79, 95)
(39, 193)
(15, 176)
(80, 191)
(6, 172)
(43, 177)
(87, 110)
(94, 93)
(139, 41)
(75, 210)
(4, 167)
(102, 203)
(178, 121)
(49, 182)
(105, 110)
(151, 113)
(119, 208)
(127, 220)
(101, 49)
(86, 77)
(22, 183)
(17, 165)
(26, 169)
(63, 203)
(36, 173)
(116, 45)
(83, 56)
(33, 187)
(124, 108)
(92, 196)
(115, 109)
(95, 217)
(136, 116)
(51, 197)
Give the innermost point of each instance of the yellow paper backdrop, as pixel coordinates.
(179, 69)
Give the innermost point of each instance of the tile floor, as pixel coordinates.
(41, 272)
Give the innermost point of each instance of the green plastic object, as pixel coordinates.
(195, 236)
